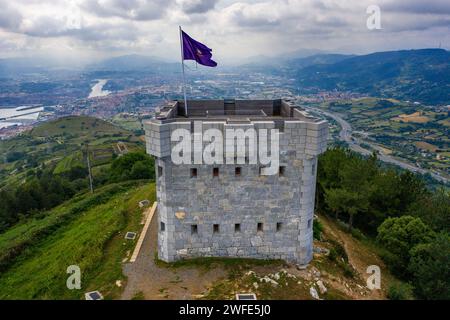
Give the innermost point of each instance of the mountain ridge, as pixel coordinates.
(419, 75)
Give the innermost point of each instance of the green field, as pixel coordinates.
(86, 231)
(62, 143)
(127, 122)
(407, 129)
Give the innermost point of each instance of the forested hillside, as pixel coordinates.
(397, 211)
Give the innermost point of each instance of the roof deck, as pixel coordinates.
(232, 111)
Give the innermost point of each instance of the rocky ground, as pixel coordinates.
(338, 271)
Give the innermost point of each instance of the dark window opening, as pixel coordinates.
(160, 171)
(313, 169)
(237, 227)
(163, 226)
(194, 229)
(193, 172)
(279, 226)
(281, 171)
(216, 228)
(237, 171)
(215, 172)
(309, 223)
(260, 226)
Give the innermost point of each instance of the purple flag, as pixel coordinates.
(194, 50)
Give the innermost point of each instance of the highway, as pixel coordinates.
(355, 144)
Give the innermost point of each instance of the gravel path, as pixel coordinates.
(156, 282)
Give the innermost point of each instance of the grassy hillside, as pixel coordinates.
(86, 231)
(62, 143)
(82, 126)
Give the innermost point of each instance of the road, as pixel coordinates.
(355, 144)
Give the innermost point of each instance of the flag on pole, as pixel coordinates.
(194, 50)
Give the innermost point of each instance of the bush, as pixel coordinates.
(133, 166)
(333, 254)
(430, 268)
(349, 272)
(400, 291)
(338, 255)
(357, 234)
(338, 251)
(317, 229)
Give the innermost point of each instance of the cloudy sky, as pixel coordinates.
(236, 30)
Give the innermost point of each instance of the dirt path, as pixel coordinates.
(154, 282)
(359, 256)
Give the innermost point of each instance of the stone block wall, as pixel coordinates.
(246, 215)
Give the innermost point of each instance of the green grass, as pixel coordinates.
(82, 126)
(127, 122)
(75, 159)
(92, 239)
(138, 296)
(210, 262)
(60, 143)
(377, 116)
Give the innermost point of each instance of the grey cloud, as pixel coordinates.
(134, 24)
(255, 21)
(128, 9)
(439, 7)
(10, 17)
(198, 6)
(413, 24)
(46, 27)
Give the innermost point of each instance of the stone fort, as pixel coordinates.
(232, 210)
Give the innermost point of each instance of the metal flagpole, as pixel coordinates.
(184, 77)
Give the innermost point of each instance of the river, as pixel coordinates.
(97, 89)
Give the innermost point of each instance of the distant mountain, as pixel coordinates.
(17, 66)
(24, 66)
(418, 75)
(318, 59)
(132, 63)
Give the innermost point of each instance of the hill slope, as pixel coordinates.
(62, 142)
(86, 231)
(419, 75)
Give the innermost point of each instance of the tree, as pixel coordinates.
(352, 194)
(430, 267)
(384, 200)
(434, 210)
(133, 165)
(399, 236)
(141, 170)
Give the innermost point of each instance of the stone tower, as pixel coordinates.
(233, 210)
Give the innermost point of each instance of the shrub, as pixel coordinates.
(339, 251)
(356, 233)
(133, 165)
(348, 270)
(430, 268)
(317, 229)
(400, 291)
(333, 254)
